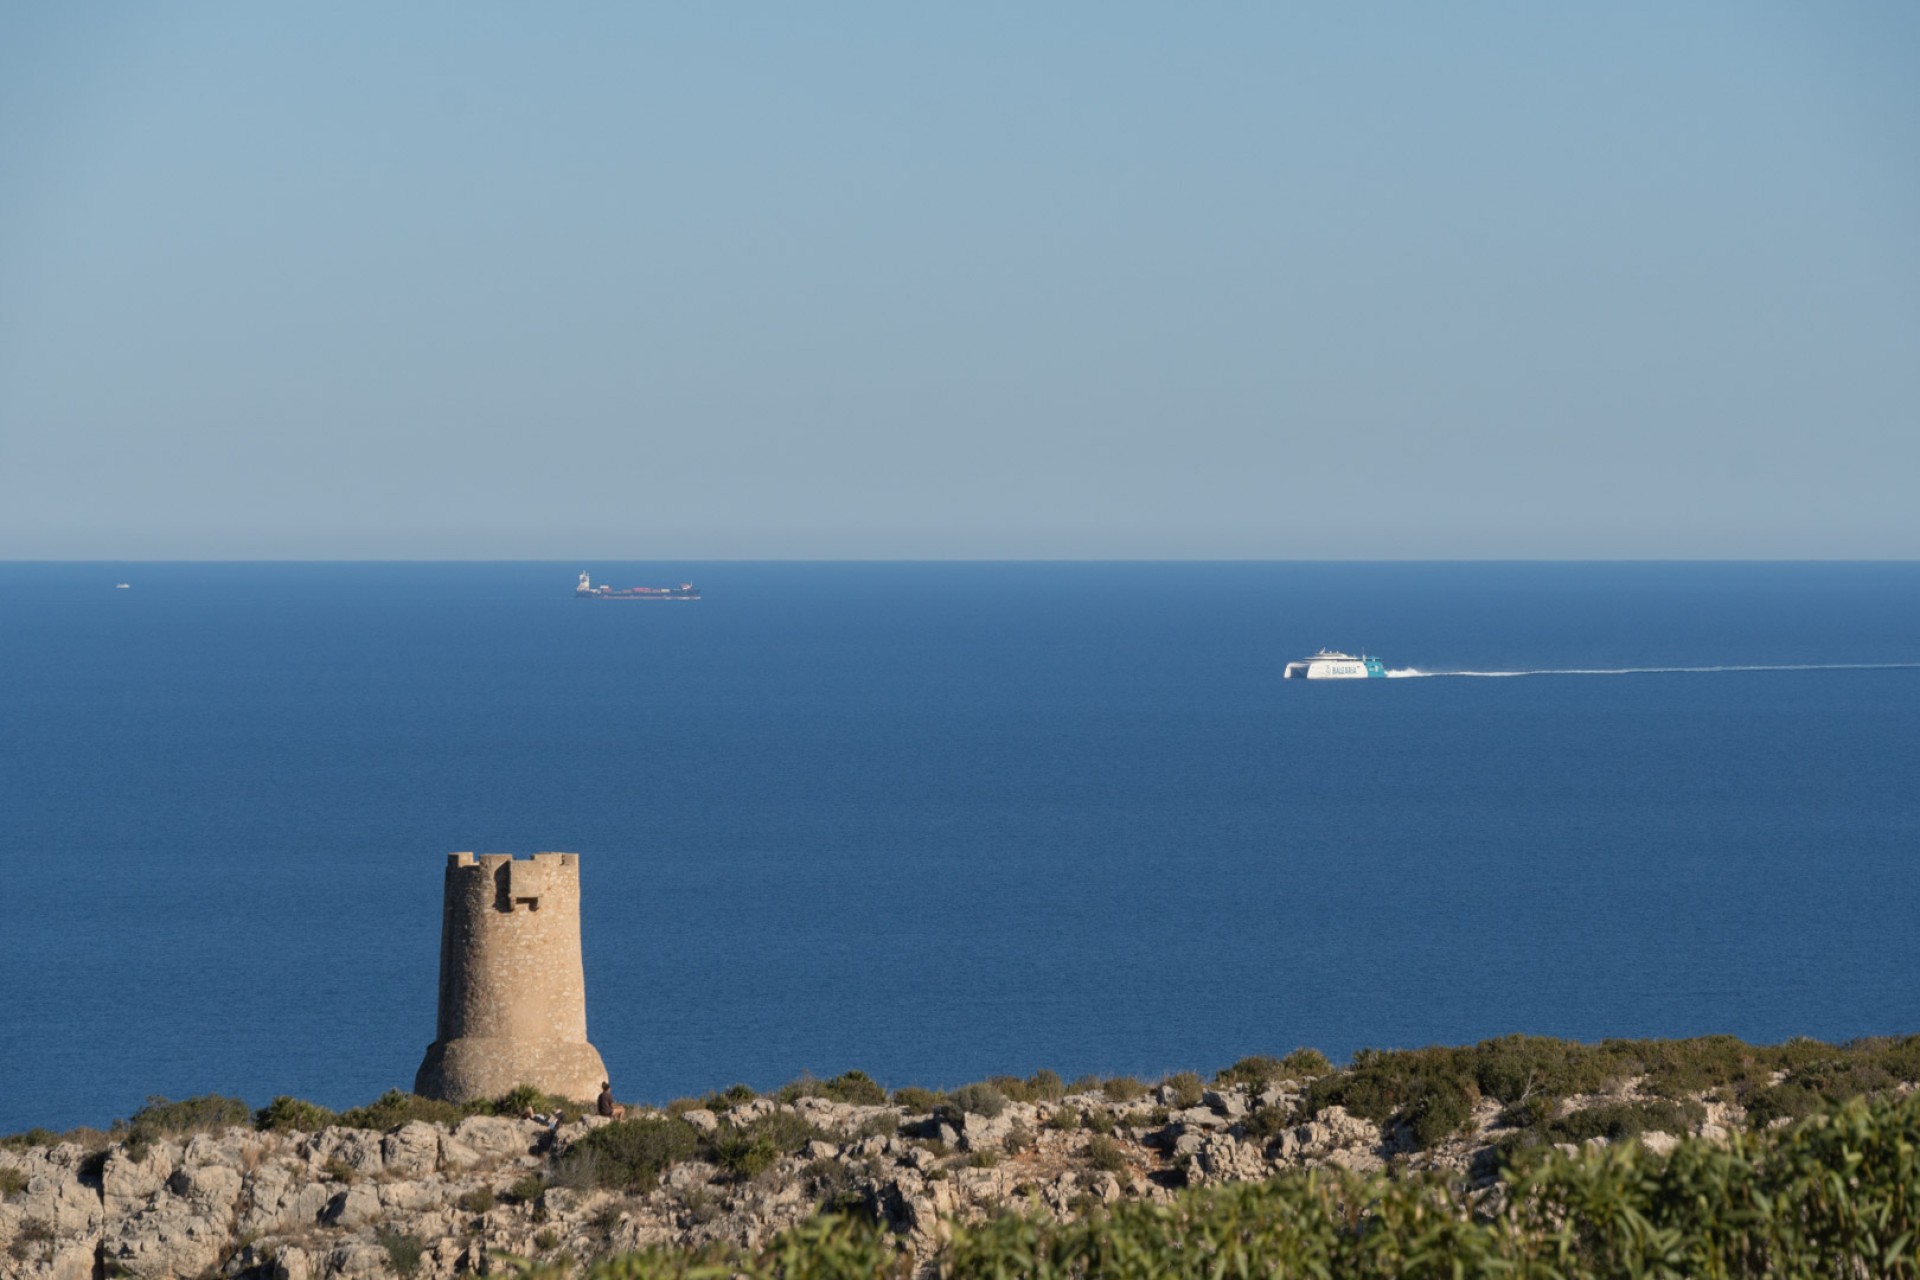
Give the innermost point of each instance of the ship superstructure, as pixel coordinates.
(1329, 664)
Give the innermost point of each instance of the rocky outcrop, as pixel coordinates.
(434, 1202)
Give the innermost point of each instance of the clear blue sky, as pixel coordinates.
(984, 280)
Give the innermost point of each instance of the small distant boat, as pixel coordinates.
(1331, 665)
(587, 591)
(121, 586)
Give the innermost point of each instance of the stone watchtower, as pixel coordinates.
(513, 992)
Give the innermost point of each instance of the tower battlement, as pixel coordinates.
(513, 1003)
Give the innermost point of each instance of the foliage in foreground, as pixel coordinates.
(1835, 1195)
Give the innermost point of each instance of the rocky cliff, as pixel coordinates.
(437, 1200)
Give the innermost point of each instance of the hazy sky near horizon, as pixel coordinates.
(862, 281)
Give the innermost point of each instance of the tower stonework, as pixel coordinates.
(513, 991)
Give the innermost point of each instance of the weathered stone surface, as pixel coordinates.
(1659, 1143)
(352, 1207)
(513, 1004)
(497, 1136)
(126, 1183)
(412, 1150)
(702, 1119)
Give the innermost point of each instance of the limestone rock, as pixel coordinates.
(412, 1150)
(498, 1136)
(126, 1183)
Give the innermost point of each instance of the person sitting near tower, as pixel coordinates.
(605, 1104)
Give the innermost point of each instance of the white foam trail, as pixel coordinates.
(1406, 672)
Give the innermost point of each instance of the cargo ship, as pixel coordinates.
(1329, 665)
(587, 591)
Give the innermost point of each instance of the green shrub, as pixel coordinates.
(12, 1182)
(979, 1100)
(630, 1155)
(1267, 1123)
(34, 1137)
(1045, 1086)
(733, 1096)
(1302, 1063)
(1100, 1120)
(576, 1169)
(1104, 1153)
(748, 1150)
(983, 1159)
(205, 1114)
(523, 1098)
(1065, 1119)
(1183, 1089)
(883, 1125)
(403, 1251)
(394, 1108)
(293, 1115)
(794, 1090)
(1012, 1088)
(856, 1087)
(915, 1099)
(479, 1200)
(1513, 1068)
(1256, 1072)
(1617, 1120)
(1430, 1091)
(1122, 1089)
(527, 1189)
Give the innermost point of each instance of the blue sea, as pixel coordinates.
(940, 821)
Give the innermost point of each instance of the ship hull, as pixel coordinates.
(1340, 668)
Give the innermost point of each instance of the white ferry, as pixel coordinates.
(1328, 665)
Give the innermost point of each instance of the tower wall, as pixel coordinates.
(513, 992)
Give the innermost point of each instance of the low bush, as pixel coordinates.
(915, 1099)
(1302, 1063)
(1104, 1153)
(12, 1182)
(1064, 1118)
(479, 1200)
(883, 1125)
(394, 1108)
(1256, 1072)
(630, 1155)
(527, 1189)
(979, 1100)
(403, 1251)
(1122, 1089)
(729, 1098)
(524, 1098)
(746, 1151)
(1183, 1089)
(293, 1115)
(1617, 1120)
(205, 1114)
(34, 1137)
(856, 1087)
